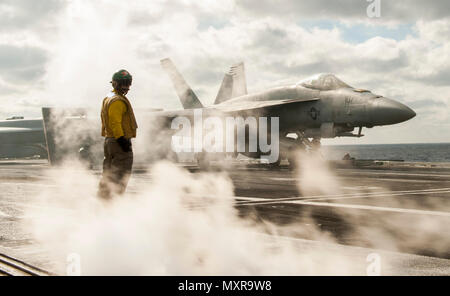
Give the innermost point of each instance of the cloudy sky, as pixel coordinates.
(63, 53)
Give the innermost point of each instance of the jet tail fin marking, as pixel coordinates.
(187, 96)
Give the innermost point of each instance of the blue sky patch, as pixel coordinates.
(359, 33)
(217, 23)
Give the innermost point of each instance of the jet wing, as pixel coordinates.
(251, 105)
(170, 114)
(18, 135)
(12, 130)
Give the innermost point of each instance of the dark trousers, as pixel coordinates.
(117, 166)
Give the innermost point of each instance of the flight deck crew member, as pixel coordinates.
(118, 127)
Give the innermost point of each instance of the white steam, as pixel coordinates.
(402, 232)
(178, 224)
(314, 175)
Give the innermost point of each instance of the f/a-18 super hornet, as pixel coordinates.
(322, 106)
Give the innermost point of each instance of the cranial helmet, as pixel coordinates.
(122, 77)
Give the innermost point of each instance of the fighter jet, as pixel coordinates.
(21, 137)
(322, 106)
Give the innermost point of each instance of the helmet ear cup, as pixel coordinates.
(121, 87)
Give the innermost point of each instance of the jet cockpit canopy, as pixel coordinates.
(323, 81)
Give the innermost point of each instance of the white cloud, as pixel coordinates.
(353, 10)
(21, 64)
(436, 31)
(95, 39)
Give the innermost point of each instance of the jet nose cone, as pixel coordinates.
(387, 111)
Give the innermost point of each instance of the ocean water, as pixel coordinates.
(434, 152)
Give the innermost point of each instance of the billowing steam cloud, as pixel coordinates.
(177, 224)
(402, 231)
(180, 223)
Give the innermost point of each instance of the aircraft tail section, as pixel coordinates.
(226, 89)
(239, 81)
(187, 96)
(233, 85)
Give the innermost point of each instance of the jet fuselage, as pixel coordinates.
(341, 110)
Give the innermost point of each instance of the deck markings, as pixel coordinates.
(374, 208)
(2, 214)
(349, 195)
(315, 201)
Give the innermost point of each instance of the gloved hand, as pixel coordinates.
(124, 143)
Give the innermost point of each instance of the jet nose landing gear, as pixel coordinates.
(295, 147)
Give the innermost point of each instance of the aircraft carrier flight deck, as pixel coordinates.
(398, 210)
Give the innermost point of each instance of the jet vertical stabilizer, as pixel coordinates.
(233, 84)
(187, 97)
(239, 82)
(226, 89)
